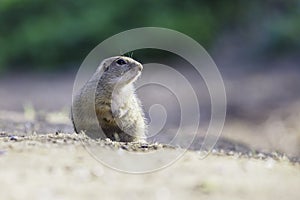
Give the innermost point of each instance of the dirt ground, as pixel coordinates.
(57, 166)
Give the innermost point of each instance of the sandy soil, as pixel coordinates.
(57, 166)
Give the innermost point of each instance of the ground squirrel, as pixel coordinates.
(109, 96)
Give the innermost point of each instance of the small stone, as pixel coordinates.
(124, 147)
(261, 156)
(13, 138)
(144, 145)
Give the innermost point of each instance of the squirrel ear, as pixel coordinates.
(105, 67)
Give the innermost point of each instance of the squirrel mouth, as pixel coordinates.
(140, 67)
(130, 75)
(137, 69)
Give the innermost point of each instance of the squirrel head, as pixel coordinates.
(120, 70)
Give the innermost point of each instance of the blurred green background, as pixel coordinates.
(43, 35)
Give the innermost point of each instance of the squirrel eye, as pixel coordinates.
(121, 62)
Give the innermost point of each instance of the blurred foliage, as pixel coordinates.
(45, 34)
